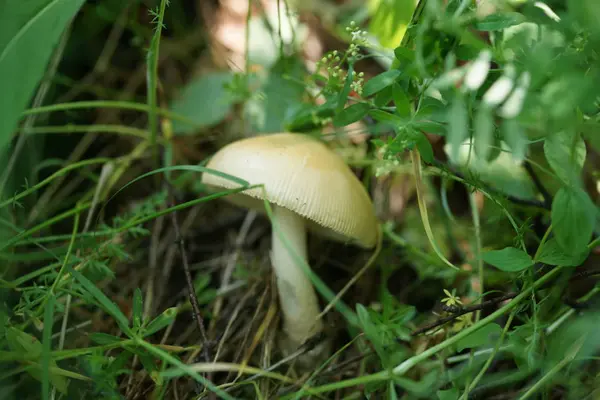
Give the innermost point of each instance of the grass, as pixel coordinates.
(474, 291)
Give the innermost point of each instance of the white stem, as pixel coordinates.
(296, 294)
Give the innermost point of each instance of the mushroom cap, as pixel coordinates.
(303, 175)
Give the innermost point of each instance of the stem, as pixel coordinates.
(411, 362)
(298, 300)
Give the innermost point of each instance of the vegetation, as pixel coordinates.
(475, 127)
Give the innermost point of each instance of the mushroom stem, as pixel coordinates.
(297, 297)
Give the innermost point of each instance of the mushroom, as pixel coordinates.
(310, 188)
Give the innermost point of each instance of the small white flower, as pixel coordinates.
(497, 93)
(547, 10)
(514, 104)
(478, 71)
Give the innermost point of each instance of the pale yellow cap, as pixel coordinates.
(303, 175)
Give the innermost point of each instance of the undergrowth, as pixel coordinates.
(474, 128)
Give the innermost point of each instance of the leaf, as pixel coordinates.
(204, 100)
(425, 148)
(484, 132)
(158, 323)
(565, 152)
(450, 394)
(351, 114)
(307, 117)
(552, 254)
(45, 360)
(108, 306)
(515, 138)
(509, 259)
(402, 103)
(380, 82)
(282, 96)
(29, 33)
(573, 219)
(499, 21)
(485, 335)
(104, 338)
(458, 128)
(343, 97)
(390, 19)
(384, 116)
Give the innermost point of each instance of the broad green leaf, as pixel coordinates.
(573, 219)
(383, 97)
(282, 95)
(390, 19)
(502, 173)
(587, 13)
(29, 33)
(307, 117)
(401, 102)
(484, 132)
(565, 152)
(485, 335)
(205, 101)
(29, 345)
(458, 128)
(351, 114)
(593, 136)
(386, 117)
(552, 254)
(499, 21)
(509, 259)
(380, 82)
(515, 138)
(450, 394)
(425, 149)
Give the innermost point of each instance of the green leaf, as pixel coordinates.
(573, 219)
(351, 114)
(380, 82)
(384, 116)
(29, 33)
(104, 338)
(390, 19)
(343, 97)
(484, 132)
(515, 138)
(108, 306)
(553, 254)
(458, 128)
(204, 100)
(450, 394)
(481, 337)
(23, 343)
(565, 152)
(308, 117)
(158, 323)
(499, 21)
(430, 127)
(425, 149)
(383, 97)
(509, 259)
(45, 360)
(402, 103)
